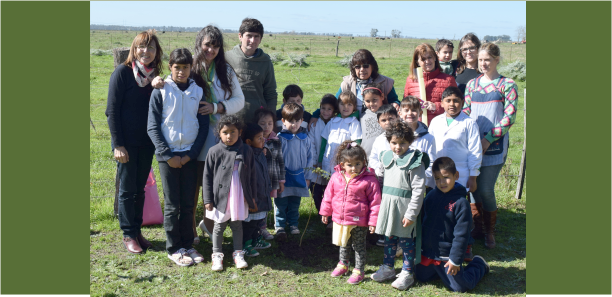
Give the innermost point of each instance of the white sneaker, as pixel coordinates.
(197, 257)
(294, 230)
(404, 280)
(266, 235)
(239, 259)
(384, 273)
(181, 258)
(217, 261)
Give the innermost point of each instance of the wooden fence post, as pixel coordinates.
(337, 45)
(521, 177)
(120, 55)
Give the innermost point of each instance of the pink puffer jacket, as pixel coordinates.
(354, 204)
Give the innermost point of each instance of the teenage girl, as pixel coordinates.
(402, 198)
(343, 127)
(352, 198)
(274, 156)
(329, 109)
(229, 188)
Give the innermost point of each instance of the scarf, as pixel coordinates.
(143, 74)
(363, 83)
(210, 78)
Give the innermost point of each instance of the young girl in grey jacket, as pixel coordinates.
(229, 188)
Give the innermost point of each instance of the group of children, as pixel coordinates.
(380, 162)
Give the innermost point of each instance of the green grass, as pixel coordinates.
(278, 271)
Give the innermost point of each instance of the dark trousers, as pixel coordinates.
(179, 188)
(317, 192)
(132, 180)
(466, 279)
(251, 230)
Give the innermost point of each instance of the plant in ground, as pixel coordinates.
(516, 70)
(295, 60)
(345, 62)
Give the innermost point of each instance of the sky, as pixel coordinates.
(415, 19)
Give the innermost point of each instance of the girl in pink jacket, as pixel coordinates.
(352, 198)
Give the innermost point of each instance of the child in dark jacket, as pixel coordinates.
(292, 94)
(252, 238)
(229, 188)
(176, 149)
(447, 221)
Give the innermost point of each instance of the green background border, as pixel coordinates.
(45, 210)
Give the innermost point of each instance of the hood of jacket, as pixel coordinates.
(259, 54)
(301, 134)
(421, 130)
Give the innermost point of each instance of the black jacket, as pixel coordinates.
(127, 109)
(218, 169)
(447, 221)
(264, 186)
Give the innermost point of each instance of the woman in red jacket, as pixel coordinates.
(435, 81)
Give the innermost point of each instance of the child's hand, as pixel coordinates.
(157, 82)
(452, 269)
(282, 188)
(313, 123)
(175, 162)
(372, 229)
(121, 154)
(208, 206)
(265, 151)
(406, 222)
(205, 108)
(471, 184)
(397, 107)
(485, 145)
(185, 159)
(324, 219)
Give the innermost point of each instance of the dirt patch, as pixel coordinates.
(313, 252)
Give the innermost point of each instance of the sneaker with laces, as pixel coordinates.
(356, 277)
(239, 259)
(404, 280)
(294, 230)
(181, 258)
(384, 273)
(266, 235)
(217, 261)
(248, 249)
(261, 244)
(341, 269)
(280, 234)
(380, 242)
(197, 257)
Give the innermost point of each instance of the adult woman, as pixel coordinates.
(467, 57)
(495, 113)
(364, 70)
(435, 81)
(127, 111)
(213, 73)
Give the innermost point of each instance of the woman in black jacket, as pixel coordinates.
(127, 110)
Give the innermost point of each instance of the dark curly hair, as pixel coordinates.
(400, 130)
(347, 151)
(230, 120)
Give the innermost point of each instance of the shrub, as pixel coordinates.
(346, 60)
(266, 45)
(516, 70)
(276, 57)
(99, 52)
(294, 60)
(296, 48)
(306, 48)
(273, 48)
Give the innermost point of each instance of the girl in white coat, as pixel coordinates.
(457, 137)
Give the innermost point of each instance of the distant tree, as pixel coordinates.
(374, 32)
(396, 33)
(521, 33)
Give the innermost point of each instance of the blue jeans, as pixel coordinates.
(485, 191)
(286, 211)
(466, 279)
(132, 180)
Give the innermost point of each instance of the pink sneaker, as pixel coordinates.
(340, 270)
(356, 277)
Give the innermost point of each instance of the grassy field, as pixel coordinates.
(285, 269)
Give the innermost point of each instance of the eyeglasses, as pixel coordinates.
(466, 49)
(150, 48)
(365, 66)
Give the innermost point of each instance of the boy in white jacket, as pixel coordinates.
(457, 137)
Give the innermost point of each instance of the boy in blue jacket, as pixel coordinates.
(298, 151)
(447, 223)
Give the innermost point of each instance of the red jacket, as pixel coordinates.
(355, 203)
(435, 84)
